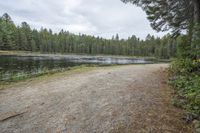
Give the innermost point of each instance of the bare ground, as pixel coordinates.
(125, 99)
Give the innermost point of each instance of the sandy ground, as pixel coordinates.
(124, 99)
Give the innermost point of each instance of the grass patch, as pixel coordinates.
(47, 75)
(53, 74)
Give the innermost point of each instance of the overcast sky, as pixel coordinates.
(94, 17)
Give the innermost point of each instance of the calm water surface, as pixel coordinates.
(14, 65)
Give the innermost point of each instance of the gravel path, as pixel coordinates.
(124, 99)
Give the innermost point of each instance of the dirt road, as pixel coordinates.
(124, 99)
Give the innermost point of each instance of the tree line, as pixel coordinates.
(176, 16)
(24, 38)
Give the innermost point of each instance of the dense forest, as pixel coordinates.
(24, 38)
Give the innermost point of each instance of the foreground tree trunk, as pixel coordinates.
(196, 29)
(196, 4)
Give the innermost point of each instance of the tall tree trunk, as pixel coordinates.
(196, 28)
(196, 4)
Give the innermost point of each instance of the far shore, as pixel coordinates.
(29, 53)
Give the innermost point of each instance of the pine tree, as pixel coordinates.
(8, 30)
(24, 38)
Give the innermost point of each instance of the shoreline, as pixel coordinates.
(28, 53)
(50, 74)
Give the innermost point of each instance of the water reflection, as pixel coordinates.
(14, 65)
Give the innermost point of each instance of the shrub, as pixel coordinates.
(183, 66)
(186, 81)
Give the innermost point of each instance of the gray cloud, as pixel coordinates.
(94, 17)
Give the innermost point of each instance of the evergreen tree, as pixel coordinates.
(8, 30)
(45, 41)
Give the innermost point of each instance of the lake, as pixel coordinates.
(20, 66)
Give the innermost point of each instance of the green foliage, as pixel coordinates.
(188, 92)
(45, 41)
(196, 42)
(174, 15)
(7, 35)
(184, 46)
(183, 66)
(185, 76)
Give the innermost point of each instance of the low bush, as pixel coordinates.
(185, 79)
